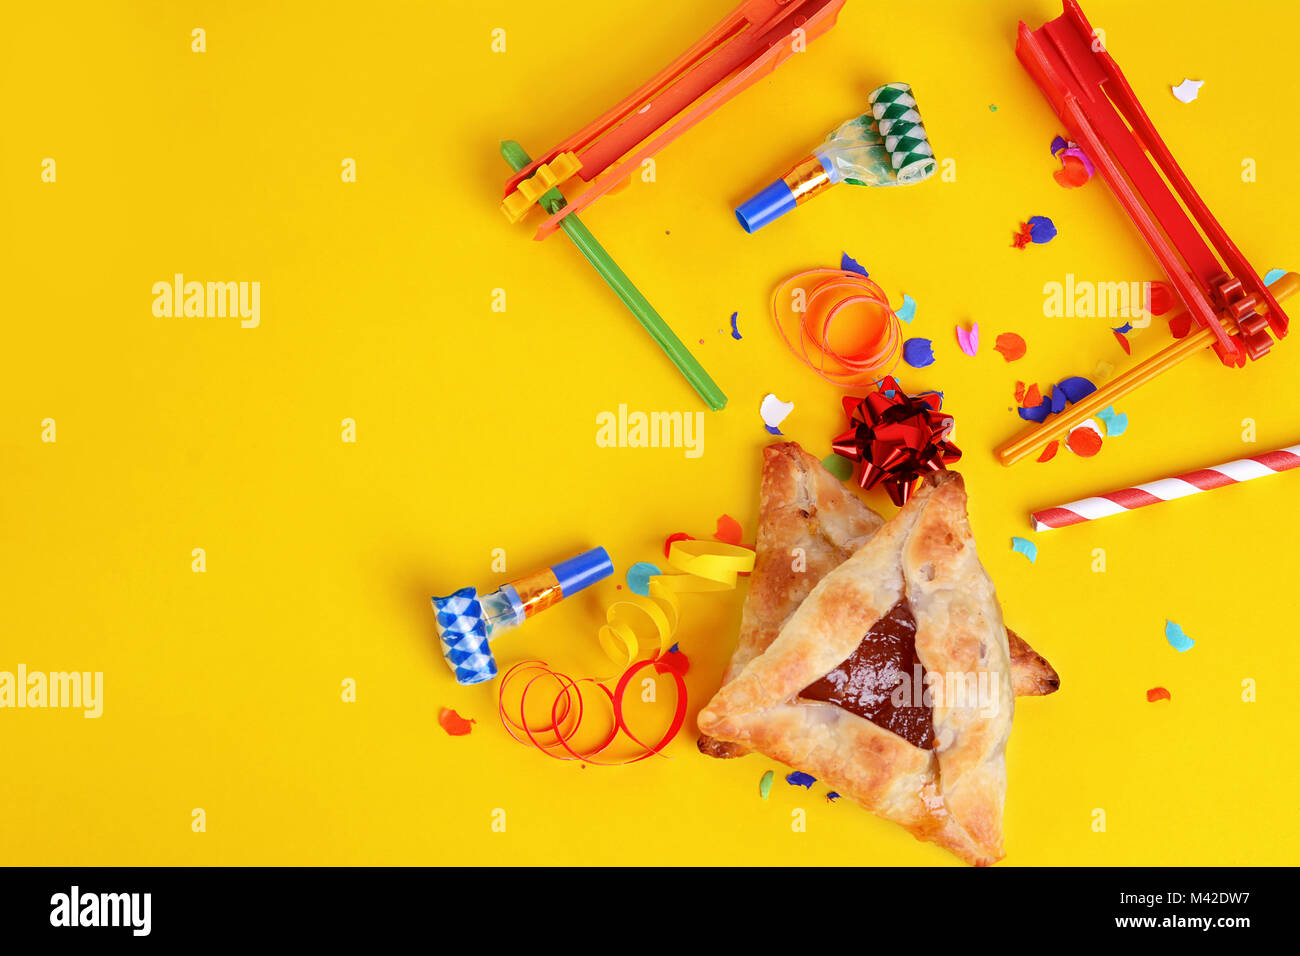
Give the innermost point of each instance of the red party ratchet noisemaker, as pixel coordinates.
(1230, 308)
(753, 40)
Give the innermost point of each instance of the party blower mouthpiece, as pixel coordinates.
(467, 622)
(885, 147)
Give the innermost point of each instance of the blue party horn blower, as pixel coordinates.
(887, 146)
(468, 623)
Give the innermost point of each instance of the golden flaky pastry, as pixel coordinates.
(809, 522)
(911, 608)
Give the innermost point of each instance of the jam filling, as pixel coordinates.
(865, 683)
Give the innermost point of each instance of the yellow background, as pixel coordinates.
(476, 430)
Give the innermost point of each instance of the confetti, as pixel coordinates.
(1124, 329)
(765, 785)
(1058, 144)
(1050, 451)
(1160, 298)
(1010, 345)
(1074, 171)
(1158, 693)
(969, 339)
(1026, 547)
(1032, 395)
(638, 577)
(774, 412)
(1116, 424)
(1058, 400)
(1181, 324)
(907, 312)
(1020, 392)
(1076, 388)
(993, 107)
(1123, 342)
(918, 353)
(1273, 275)
(677, 536)
(1187, 90)
(800, 779)
(841, 468)
(454, 723)
(735, 332)
(673, 662)
(729, 530)
(1177, 639)
(831, 795)
(1084, 440)
(849, 264)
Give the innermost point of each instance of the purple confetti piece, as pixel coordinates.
(1041, 229)
(1076, 388)
(918, 353)
(1038, 413)
(849, 264)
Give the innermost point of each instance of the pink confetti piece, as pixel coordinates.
(969, 339)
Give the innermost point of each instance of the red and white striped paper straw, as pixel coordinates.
(1167, 489)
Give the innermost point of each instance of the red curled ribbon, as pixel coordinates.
(568, 709)
(897, 437)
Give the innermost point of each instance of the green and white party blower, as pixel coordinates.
(884, 147)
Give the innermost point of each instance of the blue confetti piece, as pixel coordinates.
(918, 353)
(1273, 275)
(638, 577)
(1116, 424)
(735, 332)
(673, 649)
(1076, 388)
(1041, 229)
(1124, 329)
(1038, 413)
(832, 796)
(801, 779)
(1177, 639)
(773, 430)
(849, 264)
(1058, 400)
(908, 310)
(1026, 547)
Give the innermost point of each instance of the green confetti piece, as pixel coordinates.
(765, 785)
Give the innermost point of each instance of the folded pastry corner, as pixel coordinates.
(892, 681)
(808, 523)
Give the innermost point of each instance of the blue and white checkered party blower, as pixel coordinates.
(467, 622)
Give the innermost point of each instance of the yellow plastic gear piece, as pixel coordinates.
(547, 176)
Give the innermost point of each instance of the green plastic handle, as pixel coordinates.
(553, 201)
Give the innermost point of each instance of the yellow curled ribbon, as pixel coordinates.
(699, 566)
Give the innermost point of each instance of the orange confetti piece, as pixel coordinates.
(1010, 345)
(1122, 339)
(1020, 393)
(454, 723)
(1050, 451)
(729, 530)
(1033, 397)
(1084, 442)
(1158, 693)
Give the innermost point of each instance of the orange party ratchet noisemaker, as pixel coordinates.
(1231, 310)
(751, 42)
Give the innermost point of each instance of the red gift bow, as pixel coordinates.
(897, 437)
